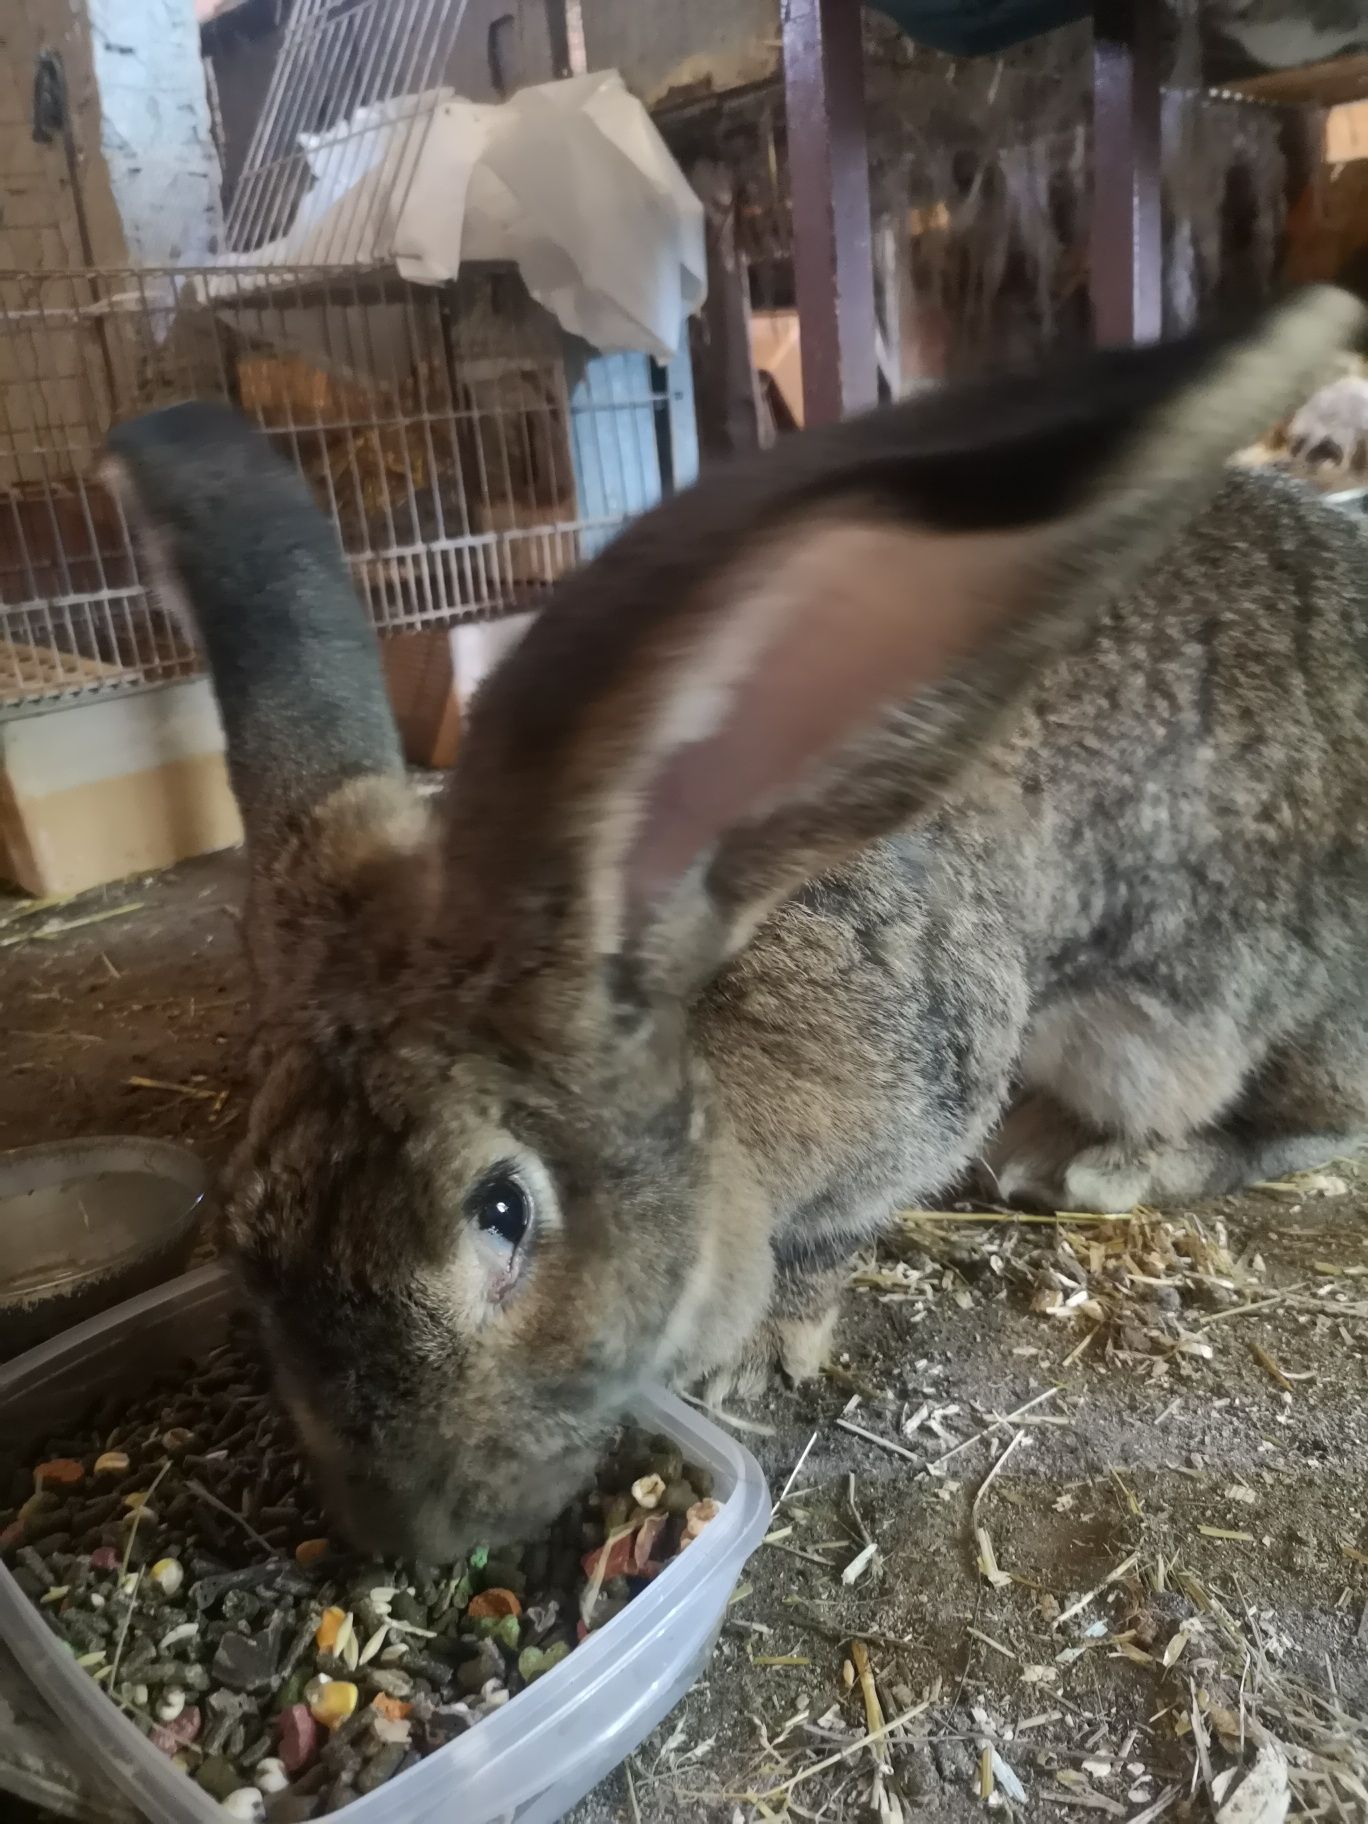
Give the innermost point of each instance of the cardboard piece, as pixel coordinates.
(96, 791)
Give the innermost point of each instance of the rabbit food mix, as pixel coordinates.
(174, 1546)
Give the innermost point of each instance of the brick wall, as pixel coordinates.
(148, 176)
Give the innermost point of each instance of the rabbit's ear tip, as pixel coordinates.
(1353, 276)
(1326, 319)
(1249, 379)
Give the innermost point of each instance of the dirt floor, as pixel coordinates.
(1113, 1539)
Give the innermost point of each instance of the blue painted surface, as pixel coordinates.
(616, 420)
(978, 28)
(683, 424)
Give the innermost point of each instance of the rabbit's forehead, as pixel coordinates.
(335, 1199)
(363, 1164)
(360, 1170)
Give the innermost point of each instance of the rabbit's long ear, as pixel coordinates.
(231, 538)
(797, 656)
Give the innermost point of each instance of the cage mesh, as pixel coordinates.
(467, 451)
(355, 71)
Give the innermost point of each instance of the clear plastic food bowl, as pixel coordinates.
(530, 1761)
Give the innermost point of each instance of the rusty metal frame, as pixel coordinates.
(1126, 244)
(829, 174)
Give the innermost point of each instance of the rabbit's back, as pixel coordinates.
(1179, 817)
(1189, 791)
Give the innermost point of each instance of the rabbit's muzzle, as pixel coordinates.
(431, 1502)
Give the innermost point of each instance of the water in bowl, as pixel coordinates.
(86, 1225)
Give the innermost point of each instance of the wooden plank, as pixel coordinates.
(1317, 85)
(32, 673)
(724, 375)
(1346, 133)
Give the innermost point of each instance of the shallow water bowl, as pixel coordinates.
(88, 1223)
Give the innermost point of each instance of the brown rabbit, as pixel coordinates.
(750, 904)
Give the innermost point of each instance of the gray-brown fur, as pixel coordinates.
(295, 664)
(768, 877)
(232, 538)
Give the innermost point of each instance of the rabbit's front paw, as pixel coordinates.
(1041, 1158)
(1028, 1159)
(804, 1344)
(1108, 1180)
(785, 1351)
(1115, 1177)
(749, 1377)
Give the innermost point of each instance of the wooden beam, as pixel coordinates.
(829, 177)
(1319, 85)
(1126, 242)
(725, 400)
(565, 31)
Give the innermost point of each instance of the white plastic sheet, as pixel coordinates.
(570, 181)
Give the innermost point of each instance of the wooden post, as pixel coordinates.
(829, 176)
(1126, 256)
(724, 371)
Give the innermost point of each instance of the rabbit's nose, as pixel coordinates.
(394, 1516)
(376, 1498)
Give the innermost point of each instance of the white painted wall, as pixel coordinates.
(155, 135)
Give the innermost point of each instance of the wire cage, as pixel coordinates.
(467, 448)
(370, 70)
(468, 451)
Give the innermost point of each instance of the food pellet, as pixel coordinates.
(328, 1629)
(647, 1491)
(59, 1472)
(282, 1674)
(247, 1803)
(334, 1702)
(270, 1776)
(168, 1574)
(697, 1517)
(493, 1604)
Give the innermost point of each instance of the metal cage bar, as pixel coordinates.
(466, 450)
(349, 73)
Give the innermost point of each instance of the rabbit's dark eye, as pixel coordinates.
(501, 1207)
